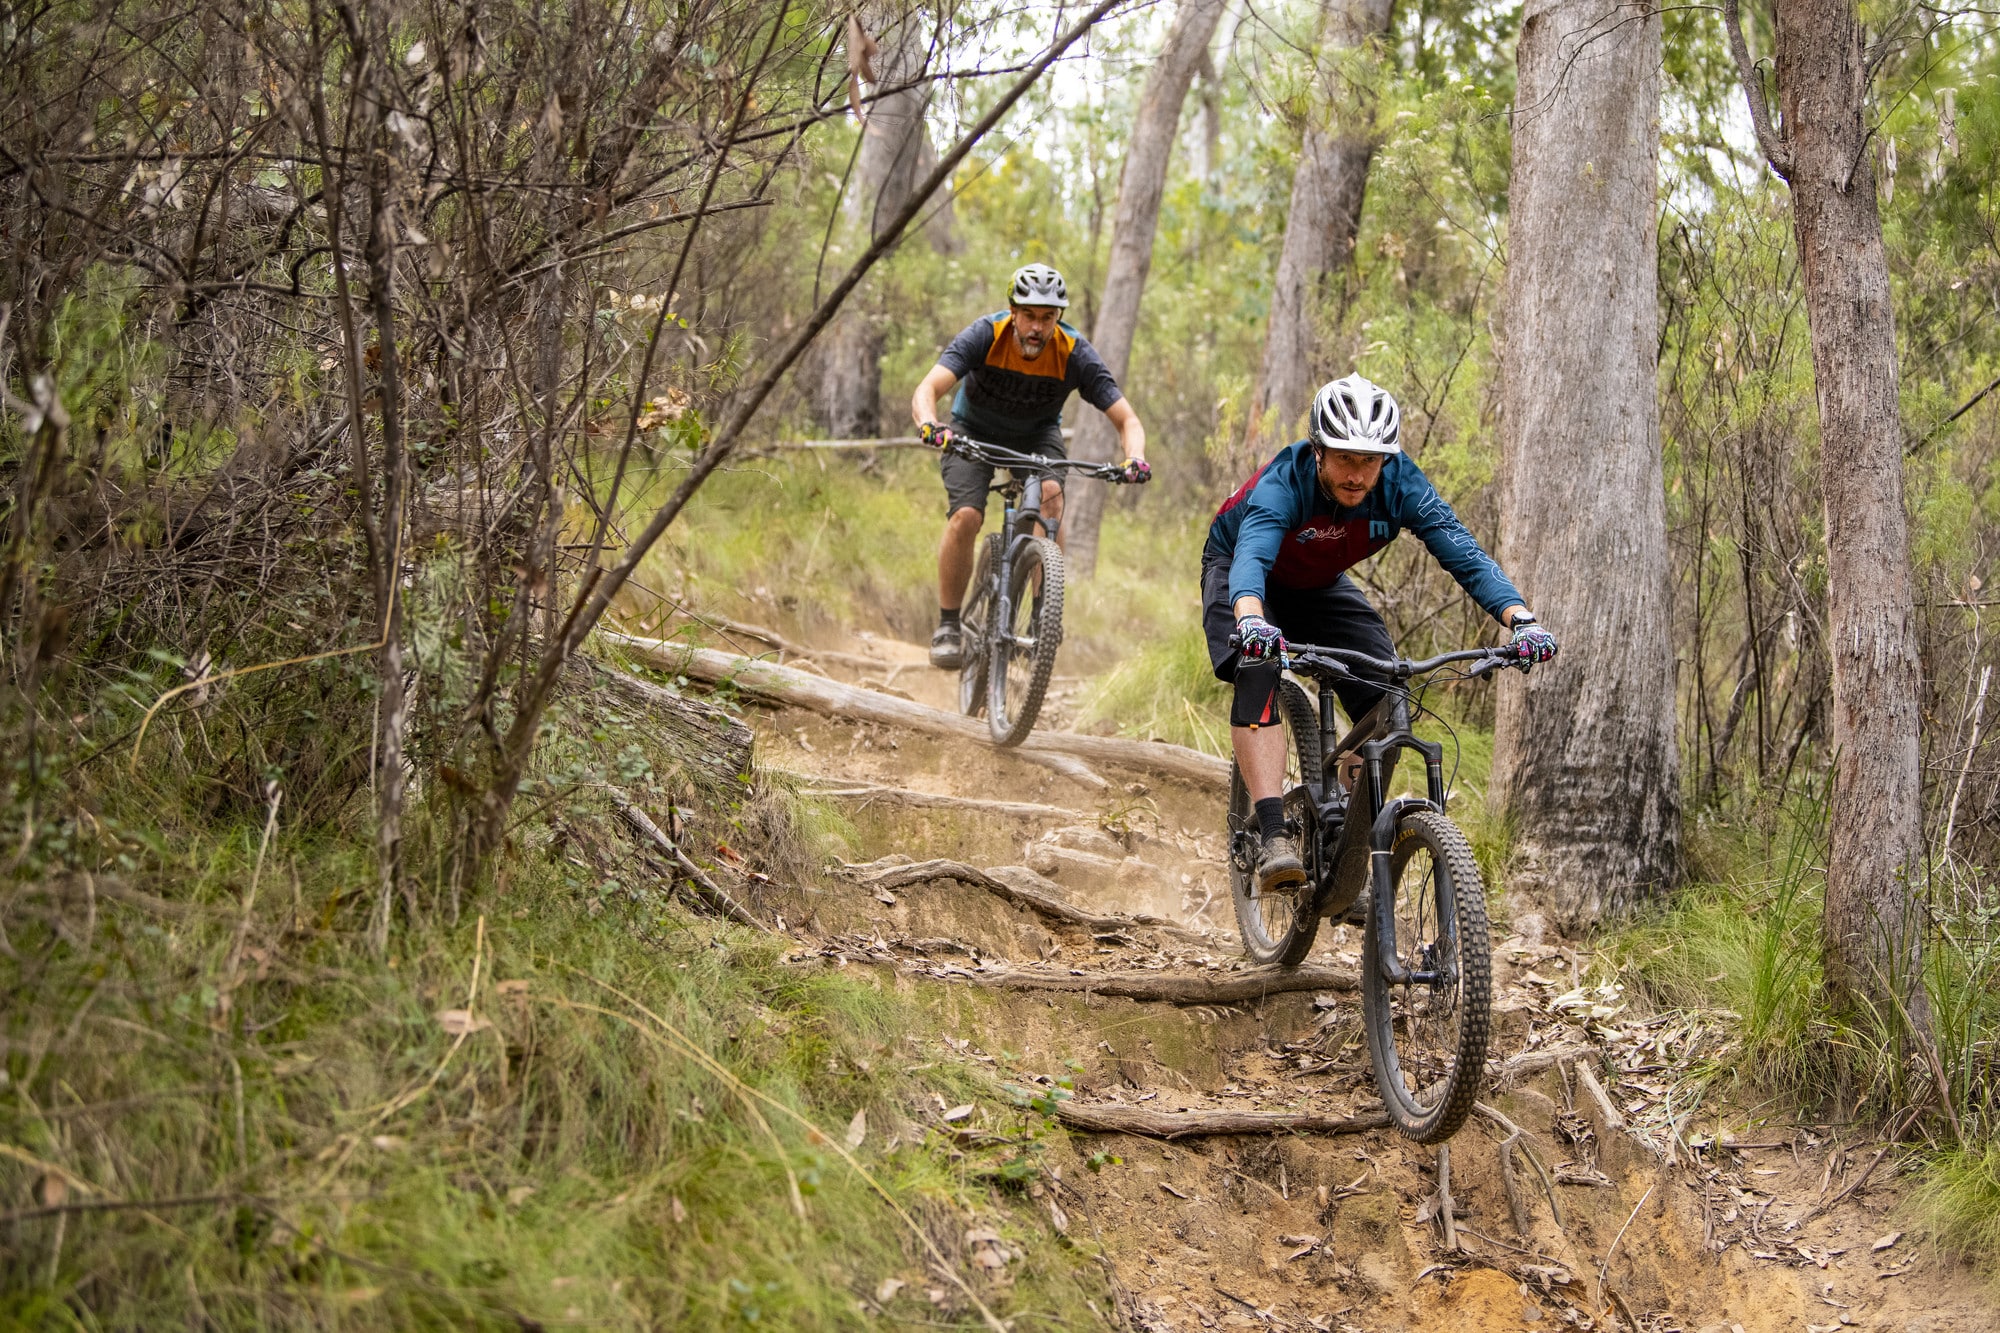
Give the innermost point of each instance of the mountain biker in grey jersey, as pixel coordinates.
(1014, 371)
(1275, 565)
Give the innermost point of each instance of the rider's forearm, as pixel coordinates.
(1247, 605)
(1132, 435)
(923, 404)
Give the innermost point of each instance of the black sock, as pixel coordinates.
(1271, 816)
(947, 617)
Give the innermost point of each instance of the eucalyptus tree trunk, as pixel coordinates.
(1587, 763)
(1872, 933)
(894, 154)
(1141, 186)
(1328, 187)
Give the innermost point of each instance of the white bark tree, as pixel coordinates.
(1141, 187)
(894, 154)
(1328, 187)
(1588, 764)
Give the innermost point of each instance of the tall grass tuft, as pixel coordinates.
(1166, 690)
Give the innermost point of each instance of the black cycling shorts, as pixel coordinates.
(967, 484)
(1336, 616)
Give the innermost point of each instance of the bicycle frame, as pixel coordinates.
(1022, 494)
(1362, 853)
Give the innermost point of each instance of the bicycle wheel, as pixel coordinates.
(1277, 927)
(1024, 652)
(1427, 1036)
(973, 631)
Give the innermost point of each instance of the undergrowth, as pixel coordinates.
(579, 1103)
(1745, 949)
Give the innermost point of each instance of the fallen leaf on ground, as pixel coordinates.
(519, 1194)
(958, 1113)
(677, 1208)
(461, 1022)
(887, 1291)
(857, 1128)
(1884, 1242)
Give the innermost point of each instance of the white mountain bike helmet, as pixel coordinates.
(1038, 284)
(1357, 416)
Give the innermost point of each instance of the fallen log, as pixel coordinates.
(801, 690)
(1176, 987)
(1118, 1118)
(714, 746)
(1024, 888)
(838, 789)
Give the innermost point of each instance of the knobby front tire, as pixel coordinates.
(974, 632)
(1023, 660)
(1428, 1040)
(1273, 926)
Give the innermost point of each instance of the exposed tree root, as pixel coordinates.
(1504, 1074)
(1024, 888)
(1177, 987)
(1116, 1118)
(867, 792)
(706, 889)
(1065, 751)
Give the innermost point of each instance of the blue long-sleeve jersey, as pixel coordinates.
(1280, 527)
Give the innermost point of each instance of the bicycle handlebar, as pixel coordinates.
(997, 456)
(1341, 661)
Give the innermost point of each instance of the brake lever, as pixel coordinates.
(1487, 667)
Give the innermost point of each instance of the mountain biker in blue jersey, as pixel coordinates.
(1276, 564)
(1014, 370)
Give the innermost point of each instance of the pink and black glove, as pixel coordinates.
(1138, 471)
(1257, 639)
(934, 433)
(1531, 643)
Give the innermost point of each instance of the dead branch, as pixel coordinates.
(1612, 1120)
(1515, 1134)
(1117, 1118)
(1503, 1074)
(1444, 1197)
(1177, 987)
(705, 888)
(801, 690)
(1510, 1185)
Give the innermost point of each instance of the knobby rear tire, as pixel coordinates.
(1431, 1078)
(1266, 939)
(974, 633)
(1011, 708)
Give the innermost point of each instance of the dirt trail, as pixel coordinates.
(1315, 1231)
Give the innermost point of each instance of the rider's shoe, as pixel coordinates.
(1279, 868)
(1357, 914)
(946, 651)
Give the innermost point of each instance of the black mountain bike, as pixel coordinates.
(1011, 624)
(1426, 961)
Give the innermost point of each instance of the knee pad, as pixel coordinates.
(1256, 702)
